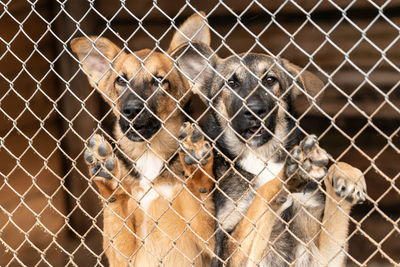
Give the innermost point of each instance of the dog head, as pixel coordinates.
(144, 88)
(252, 95)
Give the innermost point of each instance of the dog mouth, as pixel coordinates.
(138, 131)
(255, 132)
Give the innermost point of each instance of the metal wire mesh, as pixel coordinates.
(51, 208)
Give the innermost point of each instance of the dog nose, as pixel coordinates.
(131, 109)
(258, 109)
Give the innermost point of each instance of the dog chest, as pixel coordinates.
(265, 171)
(149, 166)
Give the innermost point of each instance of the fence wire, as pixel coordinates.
(107, 173)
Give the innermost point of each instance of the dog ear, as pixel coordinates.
(196, 61)
(96, 55)
(194, 29)
(309, 82)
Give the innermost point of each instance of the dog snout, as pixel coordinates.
(254, 111)
(132, 109)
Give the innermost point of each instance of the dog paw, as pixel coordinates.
(307, 161)
(347, 182)
(99, 156)
(196, 156)
(195, 148)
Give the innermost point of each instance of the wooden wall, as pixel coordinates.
(43, 126)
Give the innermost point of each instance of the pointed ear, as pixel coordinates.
(308, 82)
(194, 29)
(196, 61)
(96, 55)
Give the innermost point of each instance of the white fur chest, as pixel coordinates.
(149, 166)
(265, 171)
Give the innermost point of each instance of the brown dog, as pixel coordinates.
(152, 215)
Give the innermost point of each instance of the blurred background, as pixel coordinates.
(50, 214)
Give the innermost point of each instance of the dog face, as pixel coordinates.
(252, 95)
(147, 94)
(144, 88)
(248, 97)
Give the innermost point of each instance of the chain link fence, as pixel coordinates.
(52, 207)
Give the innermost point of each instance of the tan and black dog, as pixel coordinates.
(253, 122)
(153, 215)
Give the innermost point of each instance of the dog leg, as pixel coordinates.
(251, 236)
(253, 232)
(306, 169)
(196, 157)
(103, 165)
(345, 187)
(119, 237)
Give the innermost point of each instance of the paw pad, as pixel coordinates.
(311, 158)
(195, 148)
(102, 162)
(102, 150)
(348, 183)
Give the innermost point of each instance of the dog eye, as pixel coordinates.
(232, 83)
(159, 80)
(269, 81)
(121, 80)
